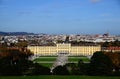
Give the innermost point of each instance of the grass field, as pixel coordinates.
(45, 59)
(56, 77)
(76, 59)
(49, 60)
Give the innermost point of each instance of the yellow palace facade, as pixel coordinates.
(64, 48)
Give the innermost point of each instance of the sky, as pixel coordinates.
(60, 16)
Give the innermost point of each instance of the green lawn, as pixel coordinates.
(85, 59)
(44, 59)
(56, 77)
(76, 59)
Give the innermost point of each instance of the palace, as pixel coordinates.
(64, 48)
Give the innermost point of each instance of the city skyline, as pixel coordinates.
(60, 16)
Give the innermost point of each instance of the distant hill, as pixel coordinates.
(16, 33)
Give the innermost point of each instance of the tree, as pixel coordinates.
(100, 64)
(105, 44)
(115, 57)
(67, 39)
(116, 43)
(72, 68)
(60, 70)
(14, 61)
(38, 69)
(22, 44)
(83, 67)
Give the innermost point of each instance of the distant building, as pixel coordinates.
(64, 48)
(117, 38)
(111, 49)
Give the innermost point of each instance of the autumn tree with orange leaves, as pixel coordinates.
(115, 57)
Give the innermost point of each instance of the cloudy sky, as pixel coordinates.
(60, 16)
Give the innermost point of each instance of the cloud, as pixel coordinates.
(95, 1)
